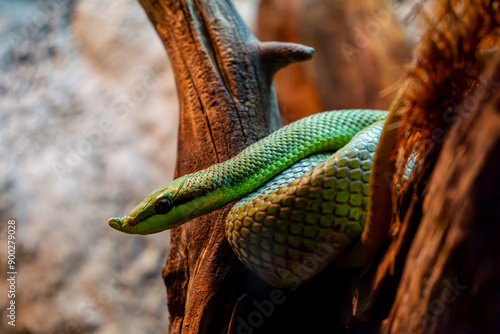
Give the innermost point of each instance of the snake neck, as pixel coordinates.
(214, 187)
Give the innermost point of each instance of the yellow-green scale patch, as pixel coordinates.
(258, 163)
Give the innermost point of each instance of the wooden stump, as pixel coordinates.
(438, 259)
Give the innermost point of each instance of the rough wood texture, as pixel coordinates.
(438, 220)
(452, 267)
(445, 64)
(223, 76)
(438, 245)
(360, 53)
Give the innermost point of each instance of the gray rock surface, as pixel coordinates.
(88, 125)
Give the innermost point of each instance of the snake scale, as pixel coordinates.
(306, 188)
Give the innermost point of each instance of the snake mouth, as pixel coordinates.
(124, 225)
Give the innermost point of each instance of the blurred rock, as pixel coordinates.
(89, 125)
(88, 119)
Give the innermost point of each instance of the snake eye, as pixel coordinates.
(163, 206)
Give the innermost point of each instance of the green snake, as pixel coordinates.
(306, 188)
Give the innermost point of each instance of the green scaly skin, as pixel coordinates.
(207, 190)
(196, 194)
(306, 217)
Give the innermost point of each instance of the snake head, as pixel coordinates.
(165, 208)
(156, 213)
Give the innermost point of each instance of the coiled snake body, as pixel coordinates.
(303, 208)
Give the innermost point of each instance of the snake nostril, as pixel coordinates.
(132, 221)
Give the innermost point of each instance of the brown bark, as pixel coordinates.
(360, 54)
(223, 77)
(443, 236)
(425, 280)
(452, 267)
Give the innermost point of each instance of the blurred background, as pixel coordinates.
(89, 119)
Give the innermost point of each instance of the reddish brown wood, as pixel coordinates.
(446, 231)
(360, 53)
(434, 219)
(223, 76)
(452, 267)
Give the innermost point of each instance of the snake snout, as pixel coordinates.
(124, 225)
(115, 223)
